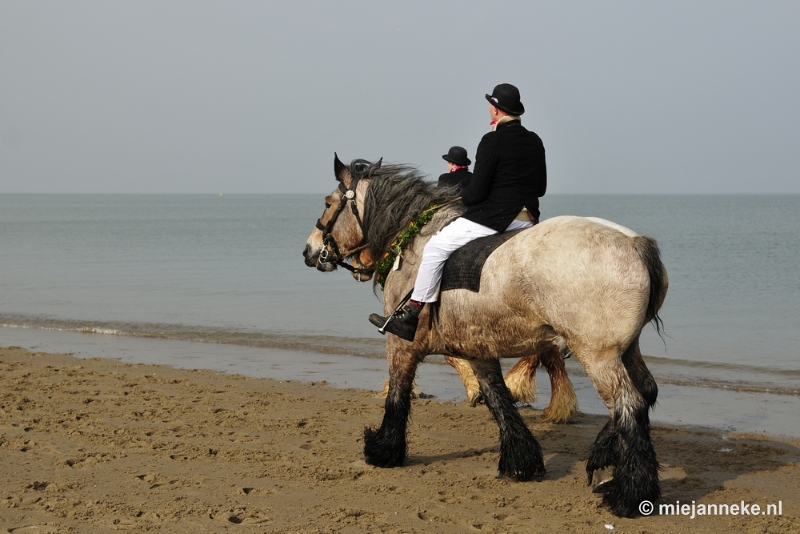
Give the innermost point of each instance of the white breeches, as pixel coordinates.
(446, 241)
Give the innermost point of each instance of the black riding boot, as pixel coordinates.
(403, 323)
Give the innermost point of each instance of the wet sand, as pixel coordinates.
(96, 445)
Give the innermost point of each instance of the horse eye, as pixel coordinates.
(327, 205)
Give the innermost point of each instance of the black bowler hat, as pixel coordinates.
(506, 98)
(457, 155)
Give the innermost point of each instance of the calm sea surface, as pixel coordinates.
(151, 278)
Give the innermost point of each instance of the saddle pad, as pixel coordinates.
(462, 270)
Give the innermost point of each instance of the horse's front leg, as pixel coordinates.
(520, 453)
(521, 379)
(471, 386)
(386, 446)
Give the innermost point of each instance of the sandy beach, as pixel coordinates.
(95, 445)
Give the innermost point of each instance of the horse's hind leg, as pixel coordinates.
(520, 453)
(604, 452)
(386, 446)
(628, 389)
(563, 402)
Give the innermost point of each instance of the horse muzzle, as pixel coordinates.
(312, 259)
(326, 267)
(326, 262)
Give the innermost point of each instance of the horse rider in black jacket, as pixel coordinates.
(503, 195)
(458, 175)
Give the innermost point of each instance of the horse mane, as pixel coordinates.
(395, 196)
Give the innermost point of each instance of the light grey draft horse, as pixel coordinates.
(589, 282)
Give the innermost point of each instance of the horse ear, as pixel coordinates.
(378, 164)
(339, 168)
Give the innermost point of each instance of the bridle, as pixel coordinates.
(330, 252)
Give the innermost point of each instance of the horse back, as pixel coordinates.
(588, 280)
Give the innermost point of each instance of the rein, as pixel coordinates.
(330, 248)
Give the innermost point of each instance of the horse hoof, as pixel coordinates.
(524, 477)
(626, 505)
(476, 399)
(384, 449)
(603, 486)
(558, 416)
(534, 473)
(538, 475)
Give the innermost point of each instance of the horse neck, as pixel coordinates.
(403, 280)
(393, 208)
(444, 217)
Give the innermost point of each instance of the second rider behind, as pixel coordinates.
(457, 174)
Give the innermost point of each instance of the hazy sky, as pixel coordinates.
(255, 97)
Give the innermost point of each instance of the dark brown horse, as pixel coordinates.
(587, 282)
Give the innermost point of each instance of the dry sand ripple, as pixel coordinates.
(93, 445)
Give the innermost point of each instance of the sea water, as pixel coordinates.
(219, 282)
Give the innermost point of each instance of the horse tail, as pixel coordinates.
(651, 256)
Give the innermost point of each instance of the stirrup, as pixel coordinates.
(394, 314)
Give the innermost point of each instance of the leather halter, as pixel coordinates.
(330, 248)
